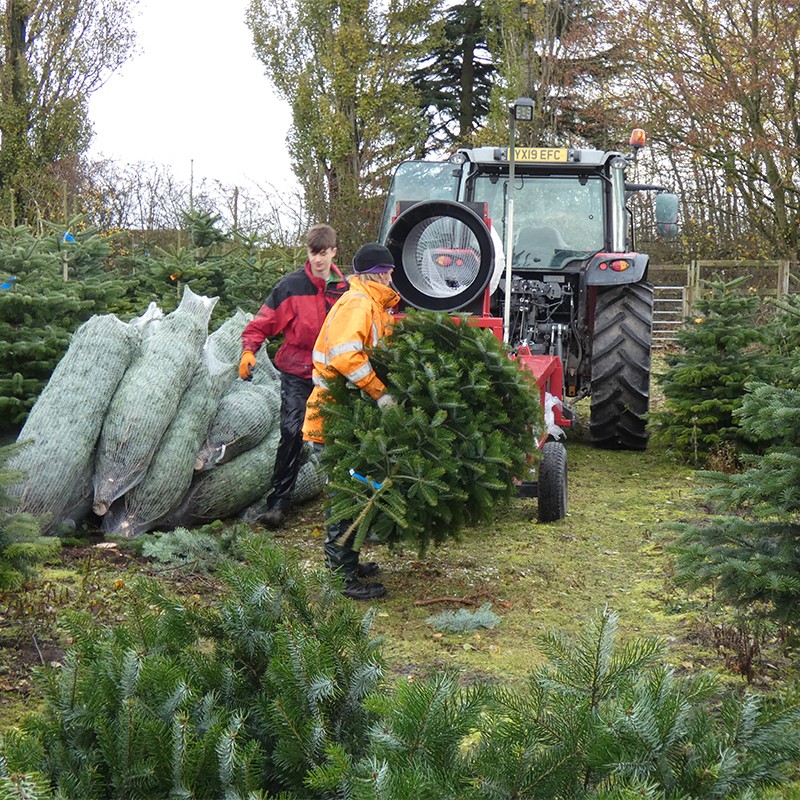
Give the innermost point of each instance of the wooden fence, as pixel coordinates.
(677, 287)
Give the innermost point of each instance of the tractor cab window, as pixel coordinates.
(557, 218)
(415, 181)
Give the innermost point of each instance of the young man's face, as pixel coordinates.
(320, 261)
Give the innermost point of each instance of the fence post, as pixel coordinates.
(690, 294)
(783, 277)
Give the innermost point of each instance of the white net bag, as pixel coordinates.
(63, 426)
(148, 397)
(246, 414)
(171, 470)
(223, 492)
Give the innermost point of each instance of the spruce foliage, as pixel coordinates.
(753, 565)
(235, 699)
(770, 484)
(751, 558)
(604, 720)
(747, 552)
(22, 547)
(463, 620)
(277, 690)
(723, 349)
(464, 427)
(783, 334)
(203, 549)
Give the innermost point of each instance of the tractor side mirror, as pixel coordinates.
(667, 215)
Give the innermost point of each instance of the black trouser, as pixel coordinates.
(339, 555)
(294, 395)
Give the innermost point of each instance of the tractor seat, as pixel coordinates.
(536, 247)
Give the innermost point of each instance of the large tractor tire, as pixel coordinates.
(552, 484)
(620, 392)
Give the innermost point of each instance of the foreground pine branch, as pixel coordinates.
(278, 690)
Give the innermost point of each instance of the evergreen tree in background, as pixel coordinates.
(251, 271)
(464, 428)
(455, 80)
(751, 558)
(51, 284)
(748, 552)
(722, 349)
(38, 312)
(783, 334)
(233, 267)
(200, 264)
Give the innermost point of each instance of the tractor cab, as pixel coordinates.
(561, 213)
(537, 244)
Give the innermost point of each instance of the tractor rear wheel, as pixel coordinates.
(620, 391)
(552, 483)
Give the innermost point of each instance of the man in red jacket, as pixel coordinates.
(296, 308)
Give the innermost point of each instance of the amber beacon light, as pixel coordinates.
(638, 138)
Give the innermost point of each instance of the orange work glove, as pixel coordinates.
(246, 365)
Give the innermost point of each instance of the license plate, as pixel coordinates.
(548, 155)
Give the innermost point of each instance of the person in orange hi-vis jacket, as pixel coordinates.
(357, 322)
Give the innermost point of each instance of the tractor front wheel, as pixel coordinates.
(620, 390)
(552, 483)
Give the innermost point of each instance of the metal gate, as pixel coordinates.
(677, 287)
(669, 304)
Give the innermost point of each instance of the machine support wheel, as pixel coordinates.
(620, 391)
(552, 484)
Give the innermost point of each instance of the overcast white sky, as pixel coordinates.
(194, 92)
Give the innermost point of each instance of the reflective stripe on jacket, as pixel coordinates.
(357, 322)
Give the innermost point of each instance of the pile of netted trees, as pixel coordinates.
(147, 425)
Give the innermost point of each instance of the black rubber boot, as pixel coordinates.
(275, 516)
(343, 561)
(369, 569)
(364, 591)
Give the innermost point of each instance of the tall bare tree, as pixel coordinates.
(55, 54)
(344, 66)
(718, 83)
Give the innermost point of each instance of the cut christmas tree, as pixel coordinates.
(464, 428)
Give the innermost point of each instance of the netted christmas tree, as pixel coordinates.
(63, 426)
(170, 472)
(147, 398)
(464, 428)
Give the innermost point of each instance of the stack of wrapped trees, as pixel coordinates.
(147, 425)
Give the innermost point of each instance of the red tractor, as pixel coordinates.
(539, 248)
